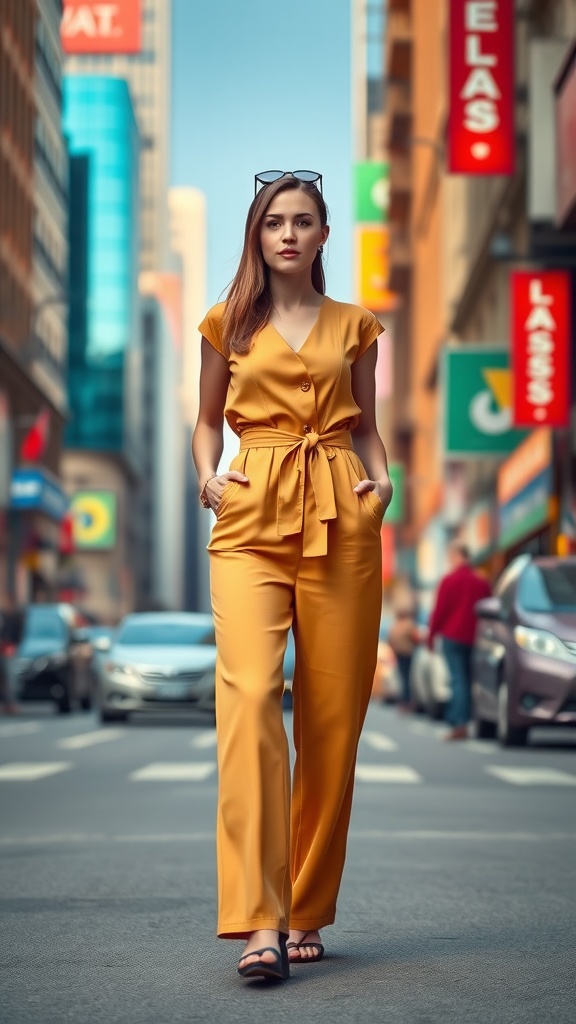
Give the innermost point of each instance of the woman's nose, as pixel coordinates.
(288, 233)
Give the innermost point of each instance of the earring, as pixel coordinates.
(320, 249)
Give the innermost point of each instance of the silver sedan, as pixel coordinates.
(157, 660)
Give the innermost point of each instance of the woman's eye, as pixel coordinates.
(305, 224)
(272, 224)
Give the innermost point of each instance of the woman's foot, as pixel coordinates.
(259, 941)
(304, 947)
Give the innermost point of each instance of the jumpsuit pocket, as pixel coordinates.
(376, 506)
(227, 493)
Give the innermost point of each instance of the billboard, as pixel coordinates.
(371, 189)
(541, 340)
(481, 87)
(94, 519)
(524, 488)
(477, 403)
(97, 27)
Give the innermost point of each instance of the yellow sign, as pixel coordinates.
(372, 268)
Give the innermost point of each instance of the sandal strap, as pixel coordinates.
(259, 952)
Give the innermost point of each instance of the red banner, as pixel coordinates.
(481, 122)
(541, 335)
(97, 27)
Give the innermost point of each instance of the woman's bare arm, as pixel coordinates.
(207, 440)
(367, 441)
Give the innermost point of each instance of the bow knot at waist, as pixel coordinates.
(305, 455)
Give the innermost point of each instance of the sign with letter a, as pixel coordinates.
(99, 27)
(481, 120)
(541, 337)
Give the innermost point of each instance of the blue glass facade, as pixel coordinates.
(104, 256)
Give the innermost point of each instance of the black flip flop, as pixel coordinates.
(305, 945)
(278, 970)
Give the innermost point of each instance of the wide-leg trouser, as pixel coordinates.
(281, 855)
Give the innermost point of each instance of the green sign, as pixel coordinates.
(371, 188)
(477, 403)
(395, 510)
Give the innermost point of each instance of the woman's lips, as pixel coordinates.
(289, 254)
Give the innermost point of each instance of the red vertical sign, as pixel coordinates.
(481, 121)
(541, 337)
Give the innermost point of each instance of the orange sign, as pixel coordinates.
(530, 459)
(372, 268)
(97, 27)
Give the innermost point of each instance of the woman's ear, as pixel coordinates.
(325, 233)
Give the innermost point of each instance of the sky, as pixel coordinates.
(258, 85)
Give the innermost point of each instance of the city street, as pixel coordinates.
(457, 903)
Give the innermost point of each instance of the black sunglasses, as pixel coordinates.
(308, 177)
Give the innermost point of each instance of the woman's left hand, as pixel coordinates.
(382, 489)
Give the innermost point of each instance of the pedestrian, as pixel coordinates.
(11, 624)
(296, 542)
(453, 619)
(403, 639)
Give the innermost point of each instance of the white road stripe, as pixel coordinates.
(364, 836)
(22, 771)
(172, 772)
(386, 773)
(19, 729)
(532, 776)
(204, 740)
(90, 739)
(378, 741)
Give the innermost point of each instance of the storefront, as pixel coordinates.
(37, 507)
(527, 506)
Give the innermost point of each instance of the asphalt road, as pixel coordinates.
(457, 903)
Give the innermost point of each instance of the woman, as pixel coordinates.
(296, 543)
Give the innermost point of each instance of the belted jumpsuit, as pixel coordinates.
(296, 546)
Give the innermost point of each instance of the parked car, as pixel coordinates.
(157, 660)
(52, 661)
(524, 658)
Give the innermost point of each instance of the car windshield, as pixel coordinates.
(44, 625)
(549, 589)
(144, 634)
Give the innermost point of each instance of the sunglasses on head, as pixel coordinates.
(267, 177)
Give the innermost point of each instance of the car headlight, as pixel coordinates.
(125, 672)
(540, 641)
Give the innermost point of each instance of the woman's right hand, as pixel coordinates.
(214, 488)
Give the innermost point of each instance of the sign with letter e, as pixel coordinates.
(481, 87)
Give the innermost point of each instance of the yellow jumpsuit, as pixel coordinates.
(295, 546)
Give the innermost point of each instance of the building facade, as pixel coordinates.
(147, 71)
(104, 432)
(33, 184)
(457, 241)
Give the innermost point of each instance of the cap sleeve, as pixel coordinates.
(369, 330)
(211, 327)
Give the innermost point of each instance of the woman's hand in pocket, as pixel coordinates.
(216, 486)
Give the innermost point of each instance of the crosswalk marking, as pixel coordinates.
(90, 739)
(173, 772)
(378, 741)
(204, 740)
(19, 729)
(532, 776)
(386, 773)
(22, 771)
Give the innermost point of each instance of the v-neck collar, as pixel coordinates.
(297, 351)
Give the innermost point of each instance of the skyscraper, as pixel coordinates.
(147, 72)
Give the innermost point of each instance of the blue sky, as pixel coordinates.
(259, 84)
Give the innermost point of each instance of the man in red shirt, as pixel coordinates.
(454, 620)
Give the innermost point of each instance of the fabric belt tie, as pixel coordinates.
(310, 455)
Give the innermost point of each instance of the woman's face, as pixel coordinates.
(291, 232)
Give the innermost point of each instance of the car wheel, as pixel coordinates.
(509, 735)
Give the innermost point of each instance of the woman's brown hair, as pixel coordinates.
(249, 301)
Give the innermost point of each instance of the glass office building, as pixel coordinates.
(103, 377)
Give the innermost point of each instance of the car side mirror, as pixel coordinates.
(102, 644)
(489, 608)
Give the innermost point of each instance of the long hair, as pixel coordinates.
(249, 302)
